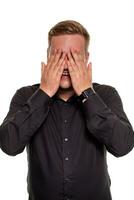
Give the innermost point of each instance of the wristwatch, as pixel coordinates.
(85, 94)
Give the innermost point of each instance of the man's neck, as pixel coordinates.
(65, 94)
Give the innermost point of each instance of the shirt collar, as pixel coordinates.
(71, 99)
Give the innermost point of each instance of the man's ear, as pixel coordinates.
(47, 53)
(87, 57)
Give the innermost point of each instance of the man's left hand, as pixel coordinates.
(80, 72)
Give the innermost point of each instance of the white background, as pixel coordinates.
(23, 41)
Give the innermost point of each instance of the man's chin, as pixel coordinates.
(65, 87)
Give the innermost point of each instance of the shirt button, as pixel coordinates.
(66, 158)
(66, 179)
(66, 139)
(67, 198)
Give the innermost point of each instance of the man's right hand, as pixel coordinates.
(52, 72)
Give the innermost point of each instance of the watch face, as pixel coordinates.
(84, 100)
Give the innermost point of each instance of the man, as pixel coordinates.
(67, 123)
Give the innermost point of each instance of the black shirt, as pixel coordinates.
(67, 141)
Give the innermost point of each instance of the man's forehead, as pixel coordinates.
(67, 41)
(68, 37)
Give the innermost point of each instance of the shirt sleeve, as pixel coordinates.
(108, 123)
(23, 120)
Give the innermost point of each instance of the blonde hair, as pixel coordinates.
(69, 27)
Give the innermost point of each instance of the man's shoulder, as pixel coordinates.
(27, 91)
(30, 87)
(99, 86)
(104, 90)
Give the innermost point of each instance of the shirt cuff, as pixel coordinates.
(93, 105)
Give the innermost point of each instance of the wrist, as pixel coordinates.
(85, 94)
(46, 91)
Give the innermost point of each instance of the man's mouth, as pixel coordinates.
(65, 73)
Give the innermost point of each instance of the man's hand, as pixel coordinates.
(51, 73)
(80, 72)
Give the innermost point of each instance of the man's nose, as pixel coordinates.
(66, 66)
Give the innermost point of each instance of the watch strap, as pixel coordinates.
(86, 94)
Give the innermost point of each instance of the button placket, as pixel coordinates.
(66, 152)
(66, 149)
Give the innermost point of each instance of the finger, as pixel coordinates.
(60, 68)
(52, 55)
(80, 56)
(52, 59)
(71, 62)
(77, 58)
(61, 58)
(58, 55)
(70, 68)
